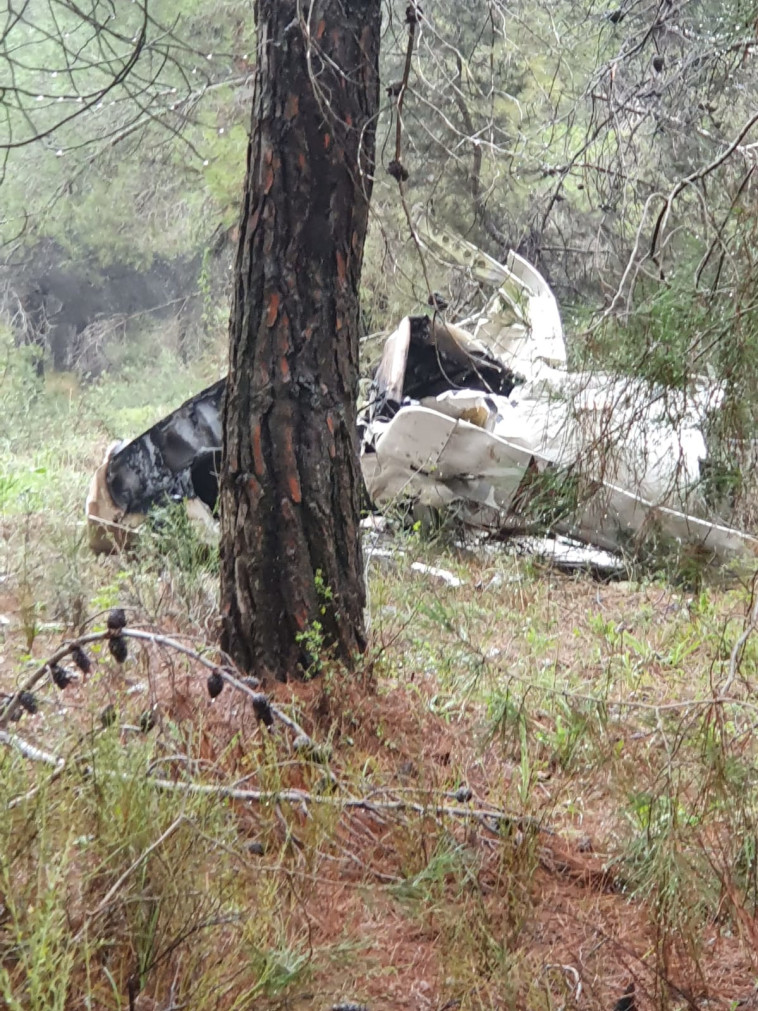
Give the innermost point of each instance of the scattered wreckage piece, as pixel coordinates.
(489, 423)
(570, 555)
(443, 575)
(175, 460)
(563, 553)
(521, 323)
(608, 460)
(511, 463)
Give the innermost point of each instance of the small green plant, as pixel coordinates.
(29, 603)
(571, 736)
(172, 536)
(176, 565)
(38, 938)
(313, 645)
(312, 640)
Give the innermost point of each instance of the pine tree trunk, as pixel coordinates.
(289, 491)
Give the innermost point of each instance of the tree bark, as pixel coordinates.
(289, 489)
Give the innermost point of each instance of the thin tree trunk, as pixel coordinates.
(289, 490)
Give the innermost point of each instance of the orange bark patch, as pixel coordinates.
(292, 107)
(289, 459)
(335, 38)
(273, 309)
(282, 343)
(294, 489)
(301, 162)
(267, 170)
(284, 368)
(341, 267)
(260, 467)
(327, 141)
(320, 29)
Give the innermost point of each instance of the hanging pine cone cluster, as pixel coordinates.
(116, 619)
(262, 709)
(80, 658)
(27, 703)
(116, 642)
(118, 648)
(215, 684)
(413, 13)
(62, 677)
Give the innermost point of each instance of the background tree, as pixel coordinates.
(135, 103)
(124, 134)
(290, 545)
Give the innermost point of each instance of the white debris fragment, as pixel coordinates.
(566, 553)
(445, 575)
(375, 522)
(383, 554)
(499, 580)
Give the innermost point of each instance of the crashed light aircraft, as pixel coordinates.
(485, 418)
